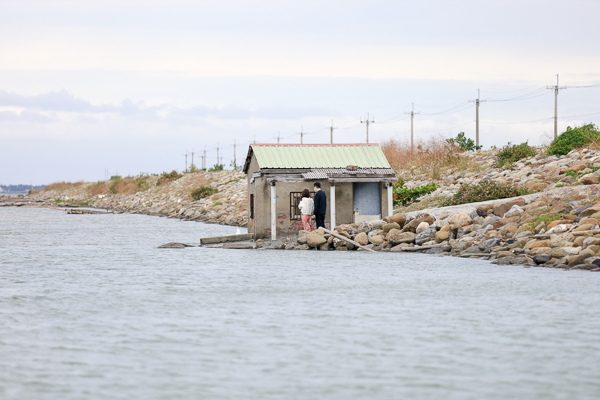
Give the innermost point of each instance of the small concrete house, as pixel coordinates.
(356, 178)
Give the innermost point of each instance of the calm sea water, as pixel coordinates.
(91, 309)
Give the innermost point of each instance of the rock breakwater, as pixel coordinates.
(173, 200)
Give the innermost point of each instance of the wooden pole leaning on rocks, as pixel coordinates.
(337, 235)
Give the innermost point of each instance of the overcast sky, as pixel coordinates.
(132, 86)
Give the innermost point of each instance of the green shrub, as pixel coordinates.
(484, 190)
(216, 167)
(167, 177)
(513, 153)
(202, 192)
(404, 195)
(463, 143)
(574, 138)
(114, 182)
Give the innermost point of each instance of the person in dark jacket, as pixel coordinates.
(320, 205)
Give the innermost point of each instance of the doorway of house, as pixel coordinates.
(367, 201)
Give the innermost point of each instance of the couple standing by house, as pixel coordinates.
(317, 207)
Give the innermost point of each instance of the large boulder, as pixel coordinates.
(590, 179)
(587, 242)
(390, 226)
(541, 259)
(376, 239)
(562, 240)
(581, 257)
(441, 236)
(399, 238)
(514, 210)
(537, 243)
(393, 232)
(583, 227)
(422, 227)
(343, 227)
(489, 244)
(414, 223)
(425, 236)
(362, 239)
(589, 220)
(399, 218)
(590, 210)
(315, 240)
(460, 219)
(501, 209)
(377, 224)
(540, 250)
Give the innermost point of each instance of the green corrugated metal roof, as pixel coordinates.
(319, 156)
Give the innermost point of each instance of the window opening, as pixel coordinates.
(295, 198)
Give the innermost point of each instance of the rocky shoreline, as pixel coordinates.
(228, 206)
(492, 231)
(556, 226)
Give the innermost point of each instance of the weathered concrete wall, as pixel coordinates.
(384, 200)
(252, 189)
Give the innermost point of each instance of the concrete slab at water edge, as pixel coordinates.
(227, 239)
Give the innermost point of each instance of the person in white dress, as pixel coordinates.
(306, 207)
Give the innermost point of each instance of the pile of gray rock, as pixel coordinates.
(491, 231)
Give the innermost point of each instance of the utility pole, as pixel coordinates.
(204, 159)
(185, 160)
(331, 128)
(367, 122)
(302, 135)
(192, 159)
(234, 157)
(556, 89)
(477, 101)
(218, 160)
(277, 137)
(412, 117)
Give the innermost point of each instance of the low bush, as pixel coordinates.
(464, 143)
(403, 196)
(202, 192)
(513, 153)
(484, 190)
(167, 177)
(574, 138)
(216, 167)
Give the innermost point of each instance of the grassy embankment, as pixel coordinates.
(431, 158)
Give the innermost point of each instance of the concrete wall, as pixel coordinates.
(261, 225)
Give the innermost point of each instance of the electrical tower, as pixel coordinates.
(412, 117)
(556, 89)
(477, 101)
(367, 123)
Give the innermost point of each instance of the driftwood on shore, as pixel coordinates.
(337, 235)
